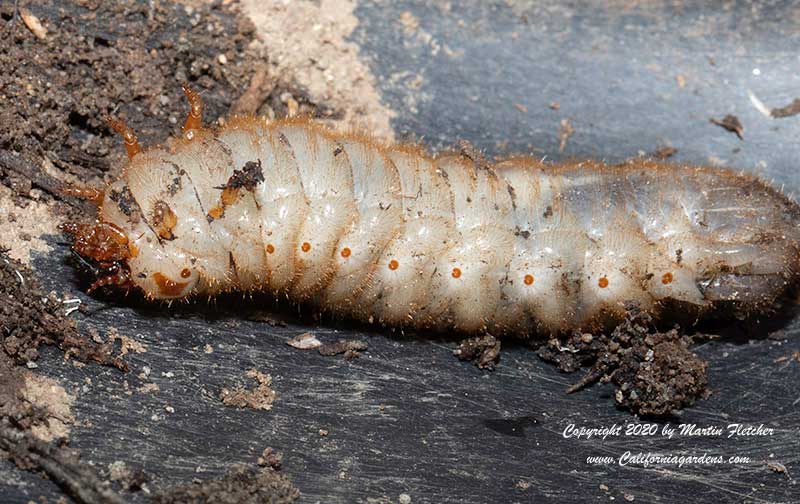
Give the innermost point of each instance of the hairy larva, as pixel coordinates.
(391, 234)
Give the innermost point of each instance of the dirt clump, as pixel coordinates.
(655, 373)
(483, 350)
(54, 401)
(271, 458)
(30, 317)
(350, 348)
(260, 397)
(23, 419)
(241, 485)
(128, 478)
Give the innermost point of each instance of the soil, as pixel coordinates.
(35, 410)
(309, 41)
(484, 351)
(126, 59)
(30, 318)
(655, 373)
(240, 486)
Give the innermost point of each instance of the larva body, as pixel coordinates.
(390, 234)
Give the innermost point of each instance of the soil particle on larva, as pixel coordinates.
(260, 397)
(241, 485)
(655, 373)
(484, 351)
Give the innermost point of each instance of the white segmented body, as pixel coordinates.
(390, 234)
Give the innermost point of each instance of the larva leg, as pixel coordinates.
(88, 193)
(118, 276)
(195, 118)
(132, 146)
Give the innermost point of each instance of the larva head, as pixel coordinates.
(104, 247)
(160, 270)
(125, 246)
(122, 249)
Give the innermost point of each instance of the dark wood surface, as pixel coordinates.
(408, 417)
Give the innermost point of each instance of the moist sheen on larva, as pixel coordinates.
(390, 234)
